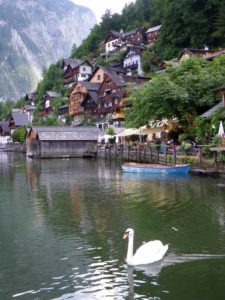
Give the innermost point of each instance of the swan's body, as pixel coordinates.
(148, 253)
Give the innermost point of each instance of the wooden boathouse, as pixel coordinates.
(61, 141)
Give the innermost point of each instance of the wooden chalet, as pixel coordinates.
(47, 101)
(112, 91)
(90, 101)
(152, 34)
(76, 70)
(135, 37)
(56, 141)
(116, 40)
(113, 41)
(83, 99)
(204, 53)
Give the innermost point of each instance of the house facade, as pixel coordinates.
(116, 40)
(152, 34)
(47, 102)
(83, 99)
(76, 70)
(132, 60)
(56, 141)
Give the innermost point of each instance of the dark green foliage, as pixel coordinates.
(5, 108)
(52, 81)
(220, 25)
(19, 134)
(182, 92)
(185, 23)
(149, 61)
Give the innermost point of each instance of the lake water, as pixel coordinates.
(61, 227)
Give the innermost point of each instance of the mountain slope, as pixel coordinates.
(33, 34)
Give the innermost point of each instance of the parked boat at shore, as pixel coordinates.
(154, 168)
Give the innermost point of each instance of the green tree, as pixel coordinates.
(182, 92)
(149, 61)
(19, 134)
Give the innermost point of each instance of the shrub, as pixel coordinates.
(19, 134)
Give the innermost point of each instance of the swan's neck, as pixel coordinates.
(130, 249)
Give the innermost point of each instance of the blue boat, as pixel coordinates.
(152, 168)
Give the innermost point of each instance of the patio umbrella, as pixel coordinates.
(221, 129)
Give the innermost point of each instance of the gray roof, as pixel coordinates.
(67, 133)
(30, 107)
(5, 126)
(91, 86)
(20, 119)
(74, 63)
(65, 128)
(210, 112)
(126, 34)
(152, 29)
(115, 75)
(68, 136)
(53, 94)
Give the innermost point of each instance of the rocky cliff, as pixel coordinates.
(33, 34)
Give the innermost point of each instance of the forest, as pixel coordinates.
(185, 23)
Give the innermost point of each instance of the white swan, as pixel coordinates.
(148, 253)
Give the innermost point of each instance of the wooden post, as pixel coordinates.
(174, 154)
(158, 155)
(166, 156)
(215, 159)
(200, 154)
(110, 151)
(144, 154)
(150, 154)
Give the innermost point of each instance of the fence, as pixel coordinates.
(199, 156)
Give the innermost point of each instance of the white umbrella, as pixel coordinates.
(221, 129)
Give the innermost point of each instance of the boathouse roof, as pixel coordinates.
(211, 111)
(66, 133)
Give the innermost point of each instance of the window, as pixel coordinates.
(84, 69)
(98, 77)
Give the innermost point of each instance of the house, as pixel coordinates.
(30, 98)
(47, 101)
(76, 70)
(56, 141)
(186, 53)
(18, 118)
(135, 37)
(83, 99)
(4, 128)
(62, 111)
(90, 101)
(113, 41)
(112, 91)
(132, 59)
(4, 133)
(29, 109)
(116, 40)
(204, 53)
(152, 34)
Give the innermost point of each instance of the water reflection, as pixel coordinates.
(61, 223)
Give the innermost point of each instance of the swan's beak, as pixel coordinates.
(125, 235)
